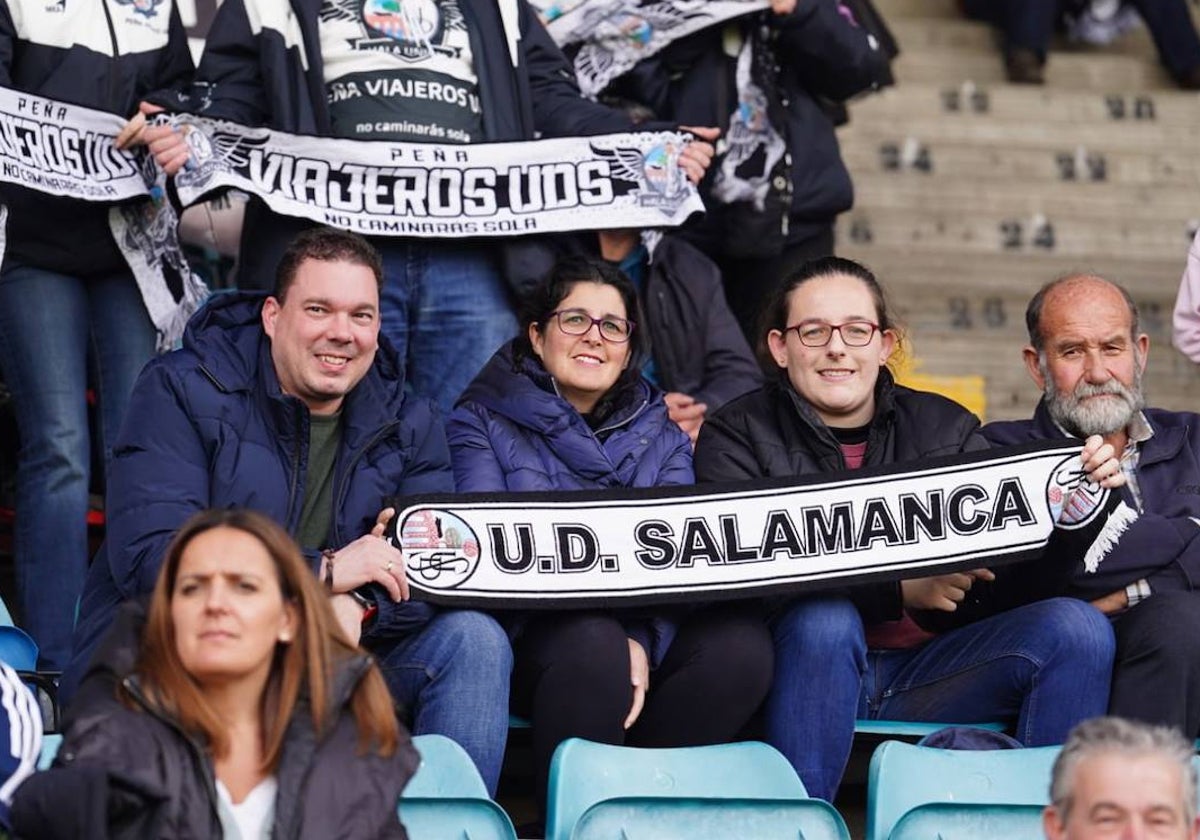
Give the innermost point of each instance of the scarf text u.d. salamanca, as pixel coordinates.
(556, 550)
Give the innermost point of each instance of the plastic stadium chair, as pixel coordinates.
(6, 619)
(660, 818)
(583, 773)
(904, 776)
(17, 649)
(446, 797)
(50, 745)
(969, 822)
(913, 729)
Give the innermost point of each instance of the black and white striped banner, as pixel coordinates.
(556, 550)
(378, 188)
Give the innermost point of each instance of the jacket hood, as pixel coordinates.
(524, 393)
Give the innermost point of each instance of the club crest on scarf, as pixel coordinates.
(1074, 501)
(439, 548)
(656, 172)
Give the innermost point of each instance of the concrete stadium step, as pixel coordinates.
(922, 33)
(1124, 136)
(903, 156)
(1020, 274)
(1172, 205)
(894, 10)
(969, 233)
(1025, 104)
(1097, 71)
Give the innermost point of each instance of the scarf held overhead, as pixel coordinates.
(377, 188)
(558, 550)
(614, 35)
(68, 150)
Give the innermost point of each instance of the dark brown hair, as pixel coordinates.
(327, 245)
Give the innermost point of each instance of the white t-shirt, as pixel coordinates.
(253, 817)
(400, 70)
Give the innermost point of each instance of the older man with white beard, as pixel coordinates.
(1135, 554)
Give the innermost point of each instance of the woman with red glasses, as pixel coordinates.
(831, 404)
(565, 407)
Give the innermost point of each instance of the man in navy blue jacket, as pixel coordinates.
(1136, 557)
(294, 405)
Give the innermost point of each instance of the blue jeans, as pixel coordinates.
(446, 310)
(453, 678)
(53, 329)
(1046, 666)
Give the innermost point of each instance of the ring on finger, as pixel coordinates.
(388, 567)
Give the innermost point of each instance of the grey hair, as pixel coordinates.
(1114, 734)
(1033, 312)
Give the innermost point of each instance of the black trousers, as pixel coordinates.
(571, 679)
(1156, 676)
(749, 283)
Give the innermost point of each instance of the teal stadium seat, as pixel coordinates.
(446, 798)
(962, 821)
(50, 745)
(17, 649)
(661, 818)
(904, 776)
(583, 773)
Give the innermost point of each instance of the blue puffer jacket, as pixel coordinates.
(512, 431)
(208, 426)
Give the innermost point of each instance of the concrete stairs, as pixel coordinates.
(972, 192)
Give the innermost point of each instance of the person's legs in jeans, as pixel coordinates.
(447, 309)
(453, 677)
(571, 678)
(122, 341)
(820, 658)
(1046, 665)
(1156, 678)
(711, 681)
(43, 353)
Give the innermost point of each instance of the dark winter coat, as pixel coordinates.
(209, 427)
(773, 432)
(131, 769)
(512, 431)
(821, 55)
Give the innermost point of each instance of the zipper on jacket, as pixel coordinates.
(343, 485)
(113, 76)
(633, 416)
(294, 481)
(207, 770)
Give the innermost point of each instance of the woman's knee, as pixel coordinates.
(587, 646)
